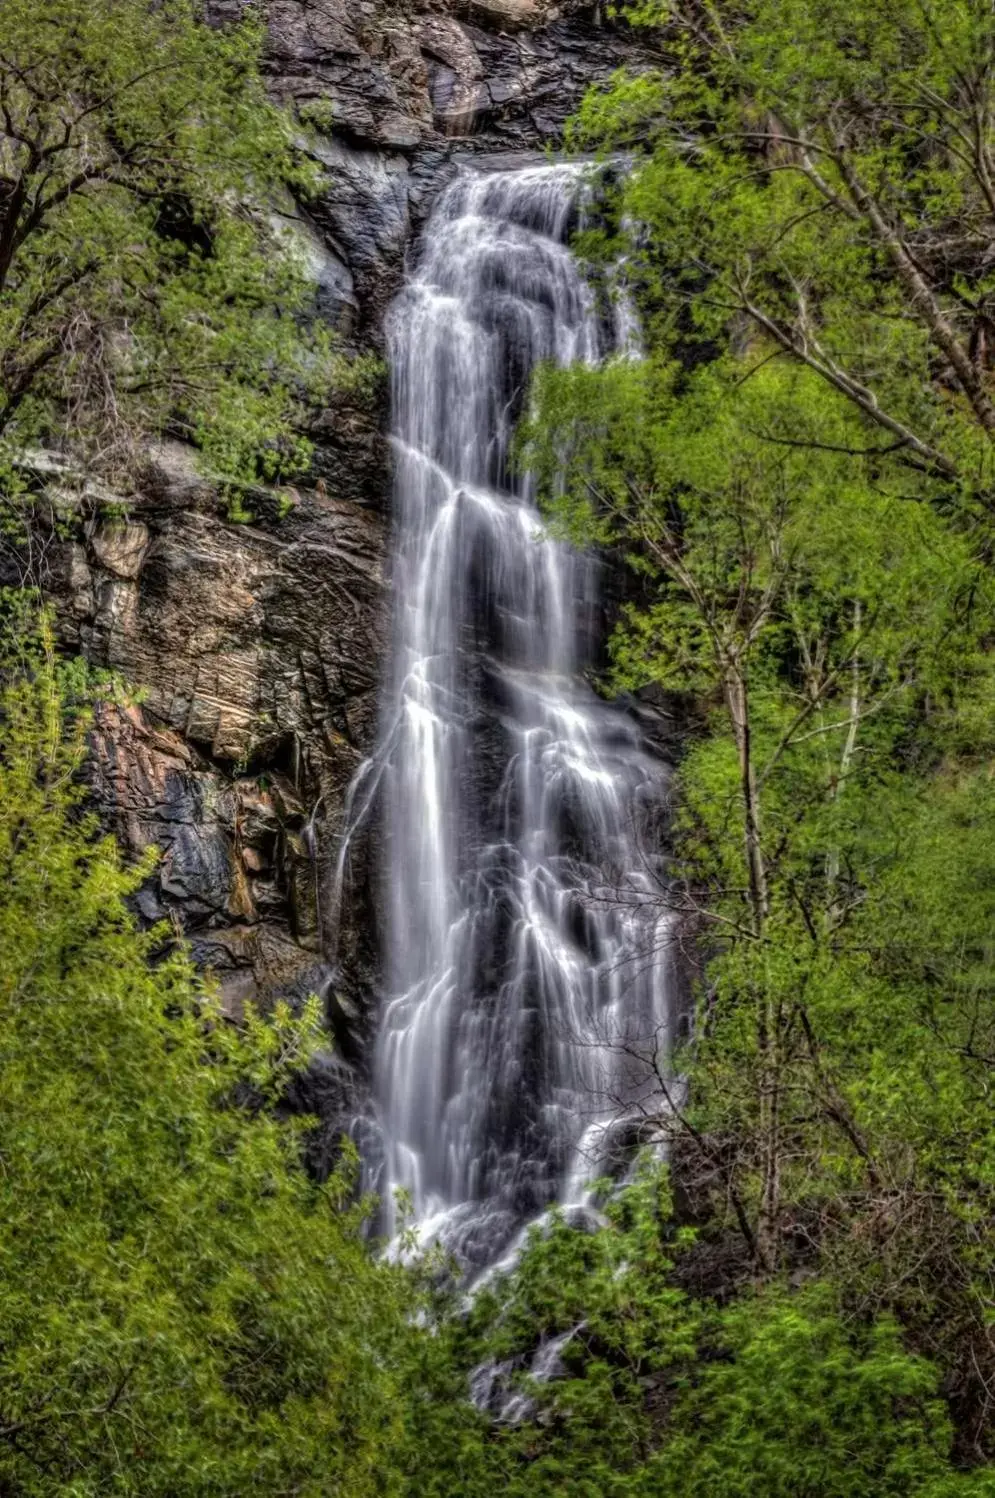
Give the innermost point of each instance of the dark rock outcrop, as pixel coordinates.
(255, 649)
(394, 93)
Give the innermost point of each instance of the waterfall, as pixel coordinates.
(522, 966)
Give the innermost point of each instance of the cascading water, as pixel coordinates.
(520, 980)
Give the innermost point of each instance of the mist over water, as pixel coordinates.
(520, 985)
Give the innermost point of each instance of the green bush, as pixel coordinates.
(182, 1310)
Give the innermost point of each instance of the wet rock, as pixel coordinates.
(335, 301)
(383, 89)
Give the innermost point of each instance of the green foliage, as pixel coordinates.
(236, 510)
(141, 281)
(780, 1394)
(610, 1294)
(793, 1403)
(183, 1312)
(799, 473)
(816, 181)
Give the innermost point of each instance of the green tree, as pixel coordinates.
(792, 1402)
(821, 178)
(777, 1394)
(812, 612)
(142, 282)
(799, 473)
(183, 1311)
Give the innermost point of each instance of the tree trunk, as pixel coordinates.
(768, 1026)
(921, 296)
(737, 702)
(11, 207)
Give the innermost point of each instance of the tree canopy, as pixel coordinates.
(183, 1311)
(144, 284)
(799, 473)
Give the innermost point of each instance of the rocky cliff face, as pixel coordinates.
(257, 645)
(405, 89)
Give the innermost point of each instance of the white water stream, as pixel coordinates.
(518, 928)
